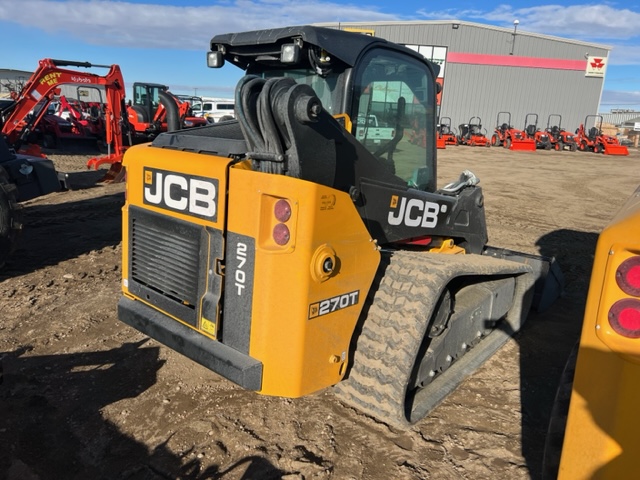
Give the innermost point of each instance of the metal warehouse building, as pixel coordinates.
(485, 70)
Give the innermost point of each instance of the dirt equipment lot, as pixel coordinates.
(85, 396)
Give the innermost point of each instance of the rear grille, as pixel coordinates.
(164, 262)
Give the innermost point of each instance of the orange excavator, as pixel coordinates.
(25, 172)
(155, 110)
(31, 103)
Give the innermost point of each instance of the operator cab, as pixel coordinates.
(360, 76)
(146, 98)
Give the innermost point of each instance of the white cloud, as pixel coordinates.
(588, 22)
(121, 23)
(600, 23)
(625, 54)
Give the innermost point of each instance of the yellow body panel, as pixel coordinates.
(142, 164)
(173, 161)
(303, 322)
(301, 317)
(601, 436)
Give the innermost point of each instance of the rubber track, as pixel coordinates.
(395, 325)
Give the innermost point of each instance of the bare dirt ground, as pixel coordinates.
(84, 396)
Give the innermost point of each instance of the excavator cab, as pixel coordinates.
(146, 99)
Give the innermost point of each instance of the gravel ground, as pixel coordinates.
(85, 396)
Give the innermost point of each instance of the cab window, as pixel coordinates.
(393, 103)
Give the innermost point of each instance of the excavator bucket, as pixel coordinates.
(612, 149)
(115, 174)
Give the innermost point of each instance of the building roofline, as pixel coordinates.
(11, 70)
(470, 24)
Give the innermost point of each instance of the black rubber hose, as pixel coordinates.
(173, 116)
(246, 94)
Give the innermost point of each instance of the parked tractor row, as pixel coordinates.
(531, 138)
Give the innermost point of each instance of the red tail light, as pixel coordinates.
(624, 317)
(282, 210)
(281, 234)
(628, 276)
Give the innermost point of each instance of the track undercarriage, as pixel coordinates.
(432, 320)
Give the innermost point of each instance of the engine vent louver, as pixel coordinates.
(164, 262)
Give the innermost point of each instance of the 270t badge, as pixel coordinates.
(333, 304)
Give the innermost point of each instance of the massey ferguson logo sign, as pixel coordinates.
(596, 66)
(188, 194)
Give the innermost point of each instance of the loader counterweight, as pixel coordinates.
(311, 289)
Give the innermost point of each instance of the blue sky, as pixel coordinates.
(165, 41)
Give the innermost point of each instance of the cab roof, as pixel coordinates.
(244, 49)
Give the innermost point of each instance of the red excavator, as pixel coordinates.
(25, 173)
(541, 138)
(594, 140)
(155, 110)
(31, 104)
(560, 139)
(510, 137)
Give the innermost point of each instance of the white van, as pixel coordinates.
(213, 109)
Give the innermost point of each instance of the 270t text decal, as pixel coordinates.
(333, 304)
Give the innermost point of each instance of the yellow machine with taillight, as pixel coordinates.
(288, 254)
(601, 435)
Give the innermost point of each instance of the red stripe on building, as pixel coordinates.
(513, 61)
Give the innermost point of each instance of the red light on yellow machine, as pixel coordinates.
(628, 276)
(624, 317)
(282, 210)
(281, 234)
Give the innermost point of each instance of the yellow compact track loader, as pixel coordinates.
(602, 424)
(280, 252)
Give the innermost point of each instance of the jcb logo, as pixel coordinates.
(187, 194)
(414, 212)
